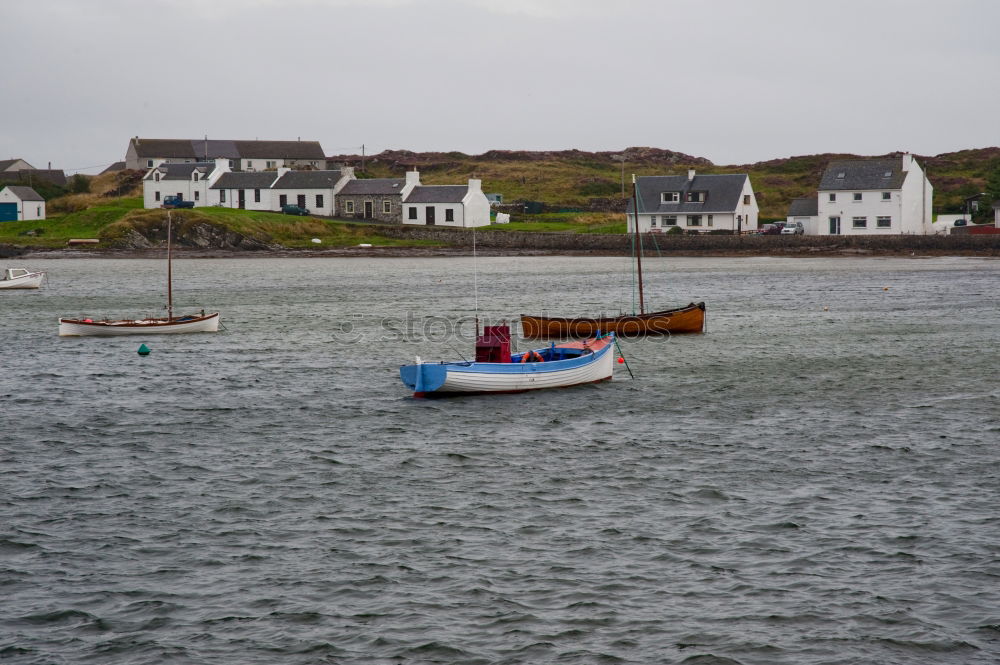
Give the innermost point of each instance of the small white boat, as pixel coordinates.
(20, 278)
(191, 323)
(184, 324)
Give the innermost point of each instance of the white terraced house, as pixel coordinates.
(697, 202)
(191, 182)
(447, 205)
(869, 197)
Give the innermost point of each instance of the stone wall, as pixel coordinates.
(700, 244)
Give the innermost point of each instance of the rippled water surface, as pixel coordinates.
(813, 481)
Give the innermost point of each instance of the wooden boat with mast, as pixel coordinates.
(681, 320)
(189, 323)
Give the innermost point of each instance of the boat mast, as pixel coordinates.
(170, 291)
(638, 236)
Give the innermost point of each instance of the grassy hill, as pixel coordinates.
(575, 178)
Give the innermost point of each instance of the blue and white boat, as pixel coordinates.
(495, 370)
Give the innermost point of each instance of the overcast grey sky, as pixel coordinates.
(736, 81)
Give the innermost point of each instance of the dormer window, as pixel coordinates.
(696, 197)
(670, 197)
(156, 176)
(196, 174)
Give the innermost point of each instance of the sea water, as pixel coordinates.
(812, 481)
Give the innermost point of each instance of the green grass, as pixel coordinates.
(565, 222)
(58, 228)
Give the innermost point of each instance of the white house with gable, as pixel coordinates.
(873, 197)
(696, 202)
(190, 182)
(19, 202)
(314, 190)
(447, 205)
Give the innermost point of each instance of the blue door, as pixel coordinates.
(8, 212)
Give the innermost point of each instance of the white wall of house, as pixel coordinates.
(318, 201)
(880, 212)
(26, 210)
(810, 225)
(477, 206)
(231, 198)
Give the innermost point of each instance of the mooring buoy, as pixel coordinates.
(143, 350)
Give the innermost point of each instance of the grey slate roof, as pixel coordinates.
(807, 206)
(438, 194)
(24, 193)
(861, 174)
(6, 163)
(723, 193)
(117, 166)
(308, 180)
(373, 186)
(179, 171)
(53, 176)
(246, 180)
(228, 149)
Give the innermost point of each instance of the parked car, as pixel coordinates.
(792, 228)
(294, 210)
(960, 222)
(176, 202)
(770, 230)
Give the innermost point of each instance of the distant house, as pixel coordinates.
(117, 166)
(18, 203)
(494, 198)
(240, 155)
(805, 210)
(874, 196)
(14, 165)
(315, 190)
(376, 198)
(190, 182)
(447, 205)
(996, 214)
(697, 202)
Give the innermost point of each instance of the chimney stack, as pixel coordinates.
(690, 174)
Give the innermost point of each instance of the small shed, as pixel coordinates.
(18, 202)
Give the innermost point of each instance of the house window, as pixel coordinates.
(887, 174)
(149, 163)
(449, 214)
(857, 196)
(222, 196)
(710, 220)
(231, 163)
(271, 165)
(883, 222)
(670, 220)
(249, 164)
(156, 196)
(860, 222)
(301, 200)
(670, 197)
(652, 220)
(283, 200)
(840, 176)
(386, 207)
(319, 200)
(38, 211)
(694, 220)
(886, 196)
(197, 195)
(349, 207)
(156, 176)
(833, 197)
(696, 197)
(412, 213)
(256, 196)
(746, 199)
